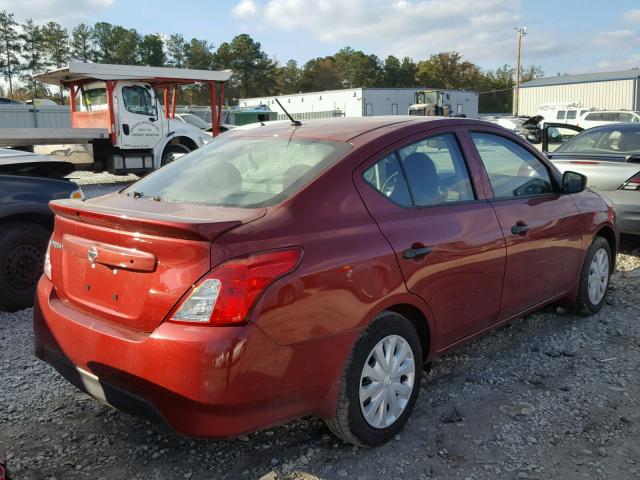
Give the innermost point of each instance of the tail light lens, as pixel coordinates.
(632, 184)
(226, 294)
(47, 261)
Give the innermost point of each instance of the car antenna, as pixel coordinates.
(295, 123)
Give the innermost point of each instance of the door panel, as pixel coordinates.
(451, 253)
(541, 227)
(140, 121)
(543, 261)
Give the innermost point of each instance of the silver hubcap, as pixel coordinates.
(598, 276)
(386, 382)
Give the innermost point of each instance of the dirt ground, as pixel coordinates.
(550, 396)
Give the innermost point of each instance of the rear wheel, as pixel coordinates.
(594, 277)
(22, 249)
(380, 382)
(173, 152)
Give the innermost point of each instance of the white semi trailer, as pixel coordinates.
(118, 110)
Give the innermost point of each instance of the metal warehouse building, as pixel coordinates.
(361, 102)
(601, 91)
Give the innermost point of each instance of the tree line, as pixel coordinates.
(28, 47)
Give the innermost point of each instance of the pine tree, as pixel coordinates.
(82, 43)
(9, 48)
(176, 48)
(56, 41)
(33, 52)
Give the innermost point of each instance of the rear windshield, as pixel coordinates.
(606, 141)
(241, 171)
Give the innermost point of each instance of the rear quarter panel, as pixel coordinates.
(31, 194)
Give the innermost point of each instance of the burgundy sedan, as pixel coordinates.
(288, 270)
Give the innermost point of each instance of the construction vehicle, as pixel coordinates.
(429, 103)
(127, 114)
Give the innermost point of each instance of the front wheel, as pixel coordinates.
(380, 382)
(594, 277)
(173, 152)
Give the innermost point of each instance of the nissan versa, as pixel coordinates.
(289, 270)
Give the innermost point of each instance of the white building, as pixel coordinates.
(360, 102)
(600, 91)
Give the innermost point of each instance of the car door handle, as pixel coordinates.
(415, 253)
(520, 229)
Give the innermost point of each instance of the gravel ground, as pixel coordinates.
(552, 395)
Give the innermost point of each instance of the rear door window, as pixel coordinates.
(386, 176)
(512, 170)
(436, 171)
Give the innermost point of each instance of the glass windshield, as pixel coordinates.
(195, 120)
(241, 171)
(94, 99)
(604, 141)
(426, 97)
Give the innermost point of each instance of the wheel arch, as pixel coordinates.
(419, 321)
(609, 235)
(39, 218)
(183, 140)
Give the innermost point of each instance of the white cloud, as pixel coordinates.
(625, 63)
(617, 39)
(65, 12)
(246, 8)
(479, 29)
(631, 15)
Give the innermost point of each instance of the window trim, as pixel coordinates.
(394, 149)
(553, 173)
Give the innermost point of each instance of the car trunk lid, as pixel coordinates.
(130, 260)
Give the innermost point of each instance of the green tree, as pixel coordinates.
(82, 43)
(251, 66)
(176, 47)
(105, 42)
(56, 42)
(127, 46)
(152, 51)
(448, 70)
(33, 53)
(320, 74)
(290, 77)
(358, 69)
(408, 71)
(9, 48)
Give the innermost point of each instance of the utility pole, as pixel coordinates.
(522, 31)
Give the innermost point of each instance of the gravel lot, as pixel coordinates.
(552, 395)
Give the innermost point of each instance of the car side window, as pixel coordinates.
(571, 114)
(512, 170)
(560, 115)
(386, 176)
(138, 100)
(436, 171)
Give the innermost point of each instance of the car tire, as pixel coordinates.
(595, 277)
(169, 152)
(384, 419)
(22, 249)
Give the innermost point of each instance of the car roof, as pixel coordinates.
(341, 128)
(615, 126)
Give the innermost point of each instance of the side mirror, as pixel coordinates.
(573, 182)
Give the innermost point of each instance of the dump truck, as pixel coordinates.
(126, 113)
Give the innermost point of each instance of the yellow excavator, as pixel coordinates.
(429, 103)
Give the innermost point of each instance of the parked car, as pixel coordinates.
(526, 127)
(609, 156)
(196, 121)
(595, 119)
(27, 183)
(400, 238)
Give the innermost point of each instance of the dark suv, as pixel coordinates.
(27, 183)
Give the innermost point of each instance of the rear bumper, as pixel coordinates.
(212, 382)
(627, 206)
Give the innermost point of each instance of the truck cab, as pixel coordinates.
(429, 103)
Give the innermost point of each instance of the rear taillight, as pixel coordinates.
(226, 294)
(47, 261)
(632, 184)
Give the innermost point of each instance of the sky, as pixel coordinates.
(563, 36)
